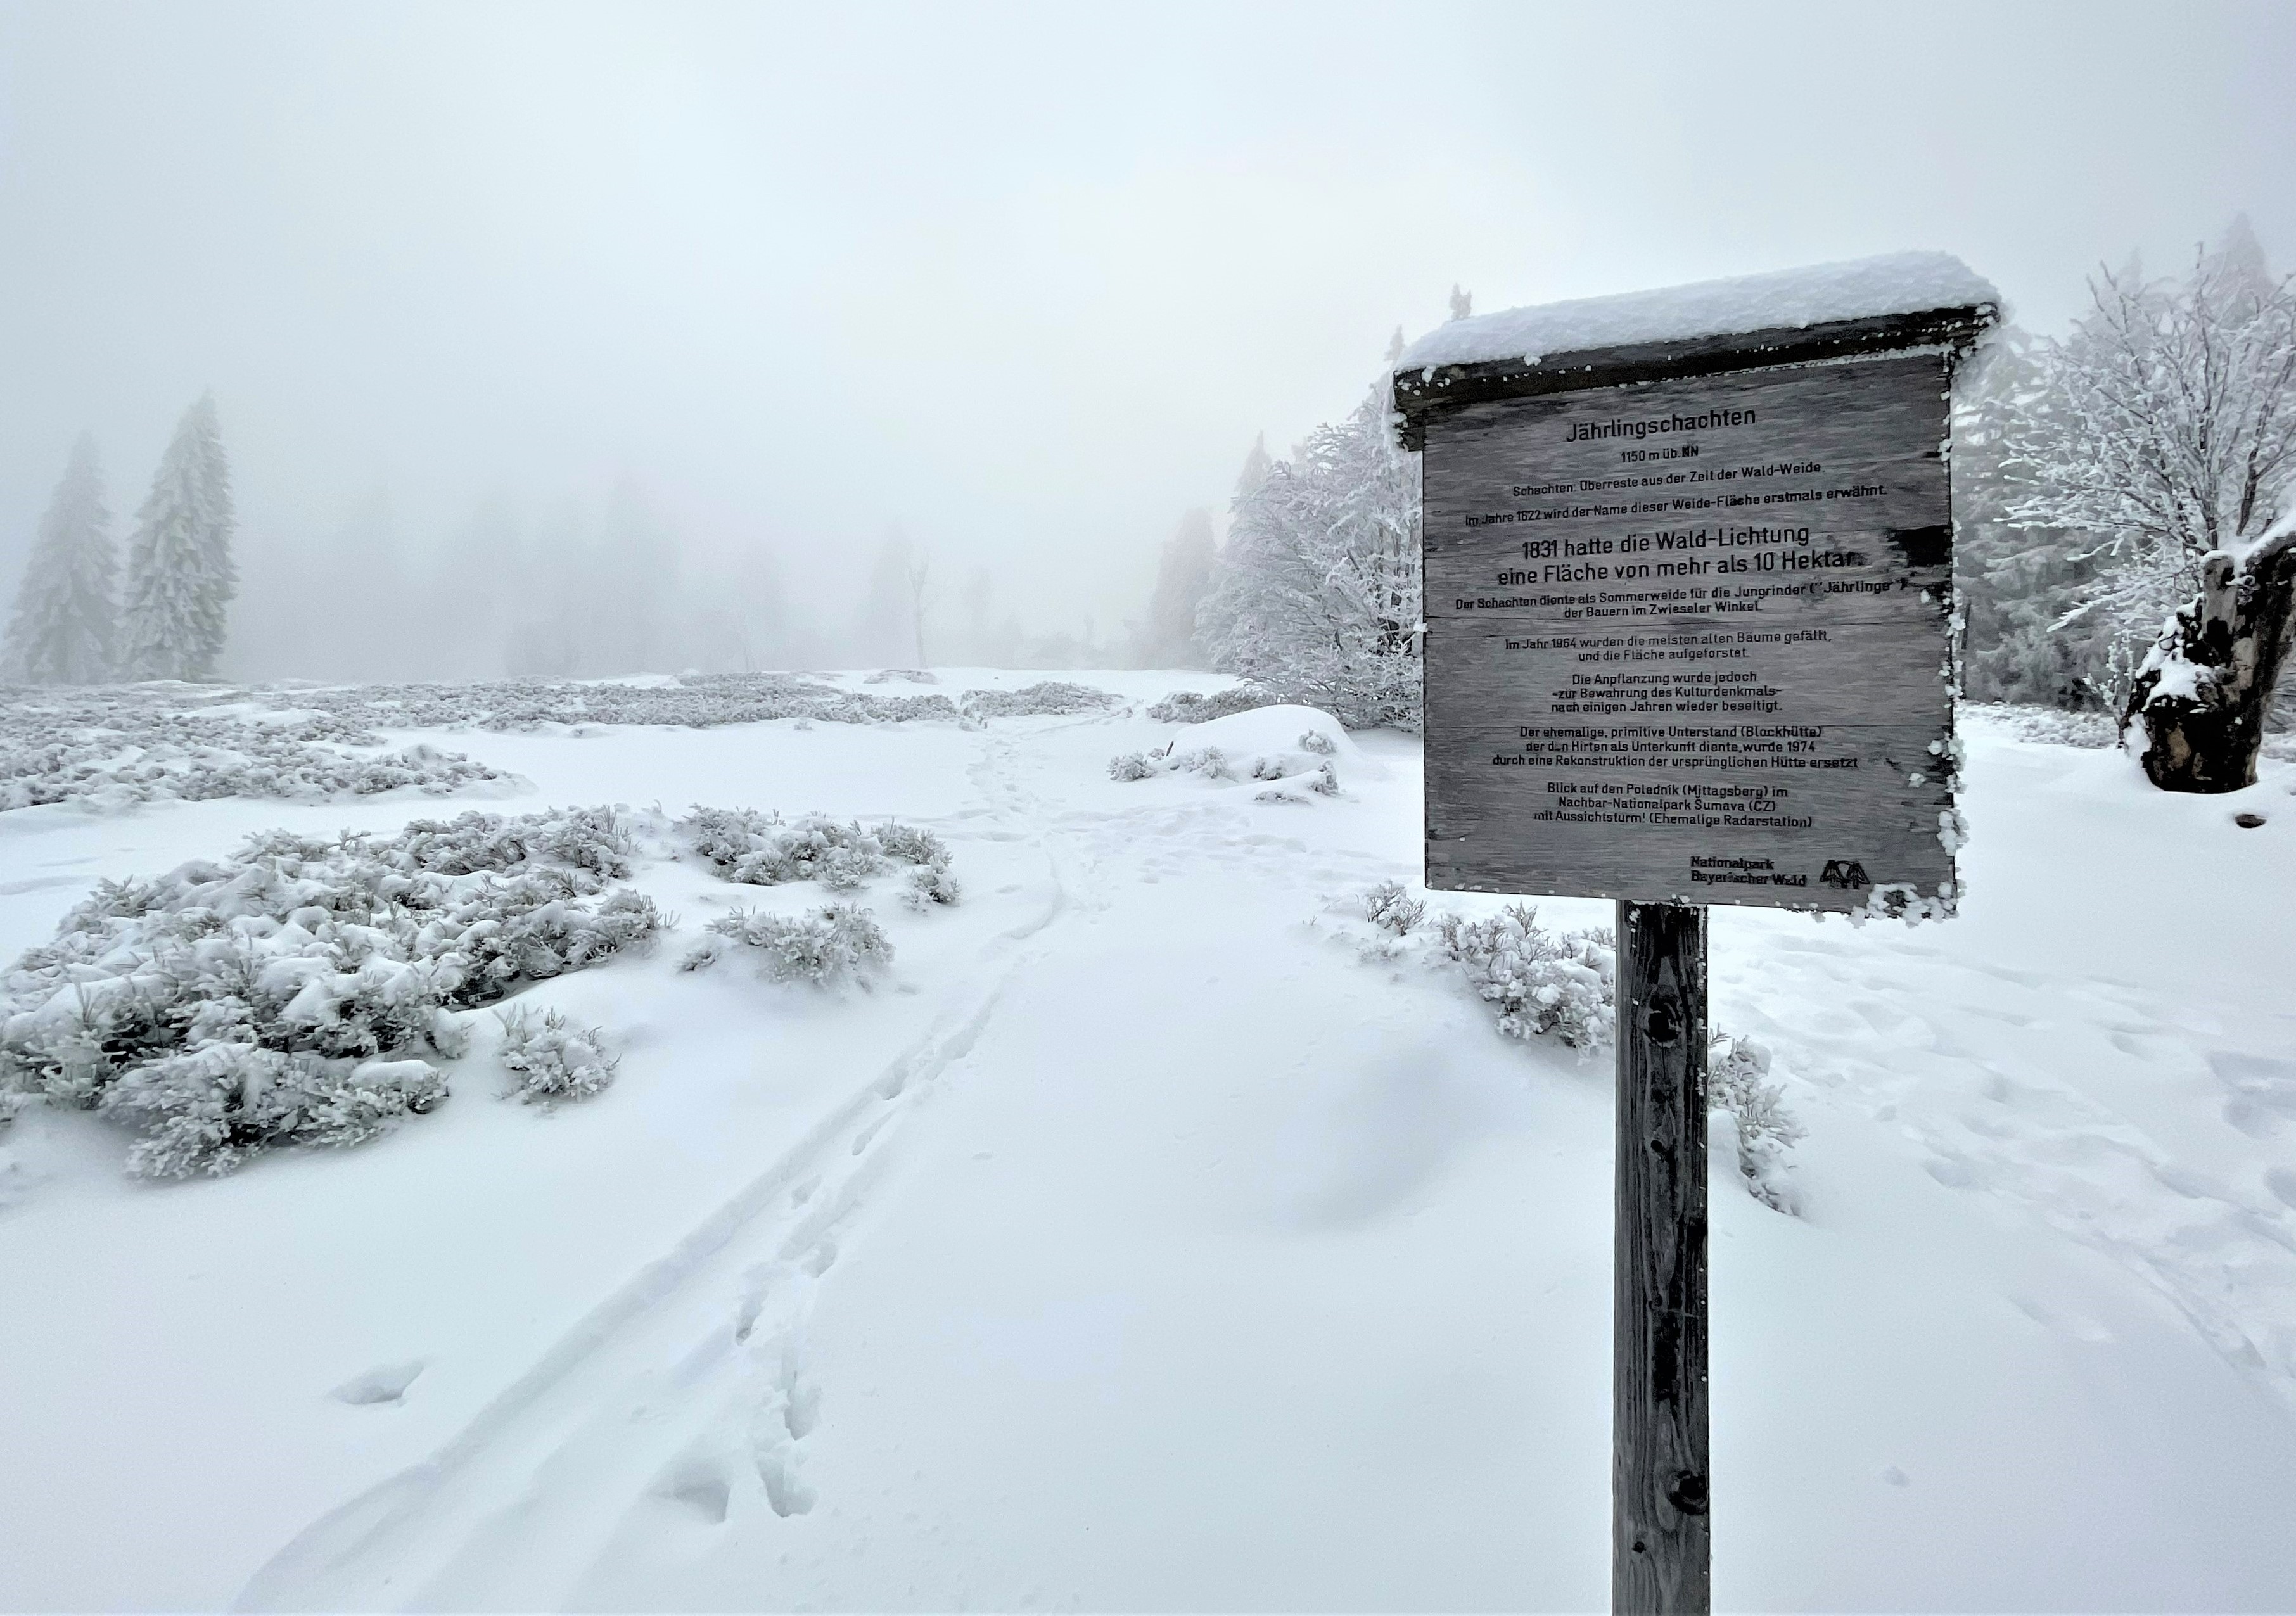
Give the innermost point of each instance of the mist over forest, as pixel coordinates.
(589, 340)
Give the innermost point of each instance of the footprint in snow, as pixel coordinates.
(699, 1483)
(386, 1384)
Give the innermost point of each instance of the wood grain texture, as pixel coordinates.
(1432, 393)
(1659, 667)
(1661, 1488)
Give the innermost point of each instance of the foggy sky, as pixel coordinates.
(1023, 282)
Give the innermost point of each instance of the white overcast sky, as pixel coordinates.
(1024, 281)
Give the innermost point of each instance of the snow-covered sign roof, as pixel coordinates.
(1862, 289)
(1901, 301)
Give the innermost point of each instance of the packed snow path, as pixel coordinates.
(1139, 1244)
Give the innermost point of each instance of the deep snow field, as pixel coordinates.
(1148, 1236)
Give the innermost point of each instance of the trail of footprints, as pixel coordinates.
(2223, 1254)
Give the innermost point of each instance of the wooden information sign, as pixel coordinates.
(1690, 640)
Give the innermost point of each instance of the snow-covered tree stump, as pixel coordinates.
(2203, 690)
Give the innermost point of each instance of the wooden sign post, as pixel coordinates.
(1689, 561)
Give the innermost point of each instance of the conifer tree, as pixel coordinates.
(62, 628)
(180, 574)
(1183, 576)
(1255, 465)
(1315, 597)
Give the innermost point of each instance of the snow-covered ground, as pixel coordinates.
(1143, 1239)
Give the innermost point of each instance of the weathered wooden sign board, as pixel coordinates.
(1689, 601)
(1690, 639)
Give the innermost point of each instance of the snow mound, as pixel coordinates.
(1292, 750)
(1286, 727)
(1894, 283)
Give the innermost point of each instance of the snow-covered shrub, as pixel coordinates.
(1057, 697)
(591, 839)
(913, 675)
(108, 748)
(209, 1108)
(1738, 1082)
(1321, 780)
(551, 1061)
(694, 701)
(930, 884)
(1539, 980)
(1286, 770)
(1316, 741)
(760, 850)
(1190, 707)
(272, 997)
(833, 941)
(1390, 907)
(909, 844)
(1210, 762)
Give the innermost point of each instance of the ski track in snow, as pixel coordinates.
(689, 1391)
(689, 1379)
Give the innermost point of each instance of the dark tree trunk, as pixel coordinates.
(2204, 691)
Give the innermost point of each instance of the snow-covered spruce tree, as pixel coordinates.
(2016, 581)
(1183, 573)
(180, 575)
(2165, 426)
(62, 629)
(1317, 597)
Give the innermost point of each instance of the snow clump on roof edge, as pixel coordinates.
(1894, 283)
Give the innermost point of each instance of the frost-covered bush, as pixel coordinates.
(1189, 706)
(835, 940)
(930, 884)
(1564, 984)
(1539, 981)
(761, 850)
(1290, 773)
(1390, 907)
(1316, 741)
(108, 748)
(694, 701)
(1209, 761)
(209, 1108)
(117, 745)
(1321, 780)
(550, 1060)
(1738, 1081)
(272, 997)
(591, 839)
(1056, 698)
